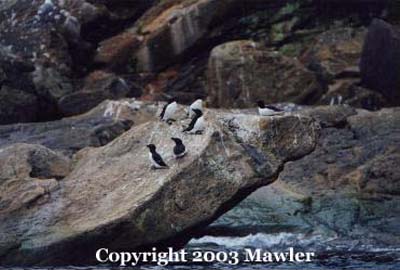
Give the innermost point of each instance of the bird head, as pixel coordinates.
(176, 140)
(261, 104)
(152, 147)
(199, 101)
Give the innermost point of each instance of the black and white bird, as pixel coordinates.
(197, 125)
(168, 111)
(179, 149)
(46, 8)
(156, 160)
(268, 110)
(197, 105)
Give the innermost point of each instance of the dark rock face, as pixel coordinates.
(46, 51)
(333, 52)
(349, 92)
(34, 35)
(56, 47)
(17, 106)
(348, 187)
(18, 100)
(380, 62)
(348, 166)
(178, 25)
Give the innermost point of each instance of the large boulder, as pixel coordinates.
(31, 160)
(177, 25)
(335, 53)
(28, 175)
(98, 86)
(346, 189)
(115, 52)
(129, 206)
(380, 62)
(243, 72)
(181, 25)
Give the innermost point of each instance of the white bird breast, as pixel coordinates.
(181, 154)
(155, 164)
(266, 112)
(170, 111)
(199, 125)
(198, 104)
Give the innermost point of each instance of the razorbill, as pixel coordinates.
(268, 110)
(168, 111)
(46, 7)
(179, 149)
(197, 124)
(198, 104)
(155, 158)
(336, 100)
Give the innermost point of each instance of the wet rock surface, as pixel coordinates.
(347, 188)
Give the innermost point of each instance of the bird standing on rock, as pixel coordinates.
(179, 149)
(155, 158)
(168, 111)
(197, 125)
(197, 105)
(268, 110)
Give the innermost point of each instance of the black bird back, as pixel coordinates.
(179, 149)
(273, 108)
(163, 111)
(193, 122)
(157, 158)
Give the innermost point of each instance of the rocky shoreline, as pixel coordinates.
(82, 83)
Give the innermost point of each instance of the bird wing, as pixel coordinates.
(191, 125)
(199, 126)
(163, 111)
(179, 149)
(157, 158)
(170, 111)
(273, 108)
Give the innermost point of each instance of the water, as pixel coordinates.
(250, 226)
